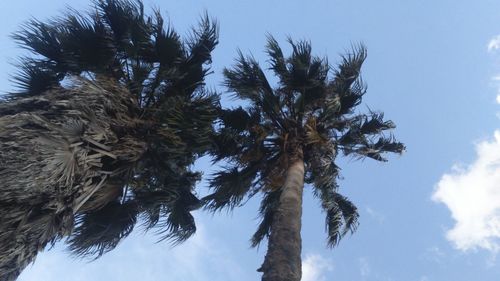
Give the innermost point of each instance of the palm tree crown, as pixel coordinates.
(156, 119)
(310, 115)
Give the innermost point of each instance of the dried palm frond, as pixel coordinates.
(55, 158)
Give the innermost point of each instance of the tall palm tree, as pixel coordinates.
(110, 114)
(290, 135)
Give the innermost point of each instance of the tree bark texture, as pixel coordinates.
(283, 258)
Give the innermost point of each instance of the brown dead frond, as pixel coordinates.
(60, 153)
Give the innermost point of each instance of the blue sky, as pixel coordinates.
(433, 214)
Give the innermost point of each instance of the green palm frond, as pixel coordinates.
(349, 70)
(99, 232)
(246, 79)
(86, 43)
(276, 59)
(179, 224)
(121, 41)
(168, 43)
(375, 124)
(41, 39)
(375, 149)
(230, 187)
(341, 214)
(203, 41)
(34, 77)
(341, 218)
(268, 207)
(124, 17)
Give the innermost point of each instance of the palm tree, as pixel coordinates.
(290, 135)
(110, 114)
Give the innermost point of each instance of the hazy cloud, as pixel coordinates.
(314, 268)
(201, 258)
(379, 217)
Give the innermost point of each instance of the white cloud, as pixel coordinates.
(494, 44)
(472, 194)
(314, 268)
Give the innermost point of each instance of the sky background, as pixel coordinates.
(433, 67)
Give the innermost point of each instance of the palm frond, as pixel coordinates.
(341, 215)
(229, 188)
(245, 79)
(248, 81)
(374, 149)
(349, 69)
(375, 124)
(203, 41)
(347, 82)
(34, 77)
(85, 42)
(168, 44)
(99, 232)
(179, 225)
(120, 15)
(299, 63)
(277, 60)
(268, 207)
(41, 39)
(129, 27)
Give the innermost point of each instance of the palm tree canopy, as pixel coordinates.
(309, 115)
(163, 75)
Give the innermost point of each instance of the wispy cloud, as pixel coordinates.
(364, 268)
(369, 272)
(379, 217)
(472, 194)
(496, 82)
(314, 268)
(494, 44)
(433, 254)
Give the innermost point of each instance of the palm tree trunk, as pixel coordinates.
(283, 261)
